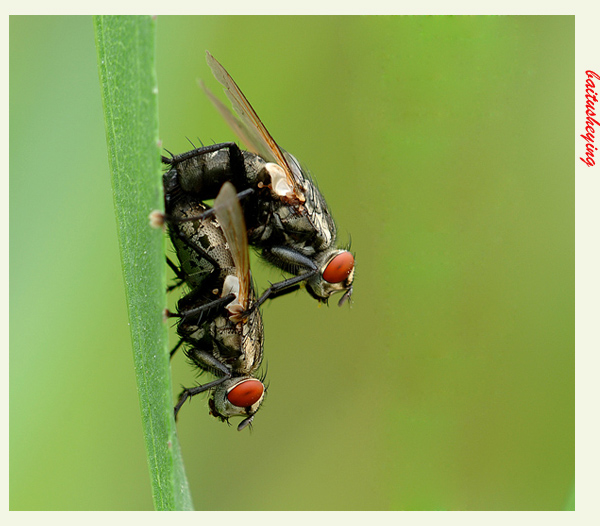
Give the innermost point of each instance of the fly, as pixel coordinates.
(286, 215)
(214, 262)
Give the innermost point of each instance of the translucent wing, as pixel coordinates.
(228, 212)
(250, 130)
(238, 128)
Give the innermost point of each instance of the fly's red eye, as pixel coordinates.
(339, 268)
(246, 394)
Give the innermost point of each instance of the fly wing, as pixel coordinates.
(235, 124)
(253, 132)
(228, 212)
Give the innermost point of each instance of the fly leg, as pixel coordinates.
(211, 211)
(180, 277)
(174, 350)
(281, 288)
(205, 361)
(291, 261)
(202, 309)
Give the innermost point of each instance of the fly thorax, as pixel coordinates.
(300, 229)
(260, 234)
(324, 225)
(252, 342)
(227, 342)
(254, 169)
(323, 229)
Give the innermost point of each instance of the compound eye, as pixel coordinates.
(246, 393)
(339, 268)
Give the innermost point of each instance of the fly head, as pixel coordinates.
(240, 396)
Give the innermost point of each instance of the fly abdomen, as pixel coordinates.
(203, 171)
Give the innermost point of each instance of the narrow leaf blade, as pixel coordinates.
(126, 54)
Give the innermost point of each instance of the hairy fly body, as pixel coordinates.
(222, 334)
(286, 216)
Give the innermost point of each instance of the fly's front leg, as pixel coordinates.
(212, 211)
(209, 213)
(205, 361)
(281, 288)
(203, 171)
(291, 261)
(188, 392)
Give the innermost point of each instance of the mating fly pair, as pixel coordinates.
(285, 216)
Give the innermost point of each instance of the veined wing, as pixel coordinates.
(253, 132)
(228, 212)
(235, 124)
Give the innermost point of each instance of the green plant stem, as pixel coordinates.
(126, 55)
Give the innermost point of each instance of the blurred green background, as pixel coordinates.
(444, 147)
